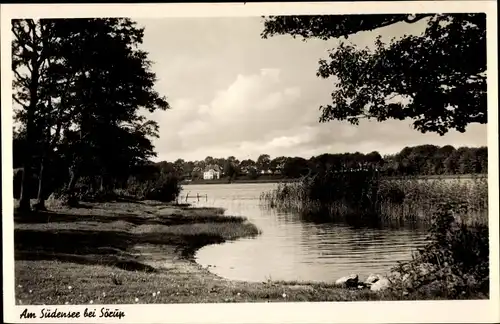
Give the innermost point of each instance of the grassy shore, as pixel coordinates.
(142, 252)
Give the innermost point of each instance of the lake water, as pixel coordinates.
(292, 249)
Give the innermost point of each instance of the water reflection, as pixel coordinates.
(294, 248)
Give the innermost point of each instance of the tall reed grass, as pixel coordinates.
(419, 199)
(367, 196)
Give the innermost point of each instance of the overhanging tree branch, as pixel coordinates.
(434, 69)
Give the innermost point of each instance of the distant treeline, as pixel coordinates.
(410, 161)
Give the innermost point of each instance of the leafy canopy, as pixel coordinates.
(438, 78)
(81, 87)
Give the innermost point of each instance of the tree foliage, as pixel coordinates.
(263, 162)
(437, 79)
(80, 102)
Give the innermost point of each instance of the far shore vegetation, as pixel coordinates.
(429, 161)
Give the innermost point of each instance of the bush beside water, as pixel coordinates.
(164, 187)
(455, 262)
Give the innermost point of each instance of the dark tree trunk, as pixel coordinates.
(26, 190)
(71, 199)
(102, 183)
(24, 200)
(40, 203)
(44, 170)
(72, 180)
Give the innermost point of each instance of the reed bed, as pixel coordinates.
(367, 196)
(420, 199)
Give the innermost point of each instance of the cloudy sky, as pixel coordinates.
(233, 93)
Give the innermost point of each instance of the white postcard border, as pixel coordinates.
(322, 312)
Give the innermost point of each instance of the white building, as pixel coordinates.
(211, 173)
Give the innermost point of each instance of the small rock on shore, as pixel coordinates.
(372, 278)
(374, 281)
(348, 281)
(381, 284)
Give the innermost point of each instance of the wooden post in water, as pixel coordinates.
(198, 196)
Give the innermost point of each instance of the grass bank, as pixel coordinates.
(142, 252)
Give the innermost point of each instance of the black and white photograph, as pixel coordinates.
(344, 160)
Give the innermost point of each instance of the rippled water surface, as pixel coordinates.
(292, 249)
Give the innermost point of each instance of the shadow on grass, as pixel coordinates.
(105, 247)
(84, 247)
(206, 215)
(109, 234)
(40, 217)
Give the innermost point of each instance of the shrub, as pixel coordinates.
(454, 263)
(166, 187)
(87, 189)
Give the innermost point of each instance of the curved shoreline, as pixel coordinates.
(189, 252)
(127, 253)
(189, 255)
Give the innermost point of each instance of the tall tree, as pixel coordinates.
(439, 158)
(420, 156)
(233, 160)
(296, 167)
(31, 53)
(277, 163)
(451, 162)
(179, 166)
(247, 165)
(437, 79)
(97, 86)
(374, 159)
(209, 160)
(188, 168)
(482, 155)
(263, 162)
(115, 83)
(230, 169)
(465, 160)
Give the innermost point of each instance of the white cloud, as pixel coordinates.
(233, 93)
(247, 110)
